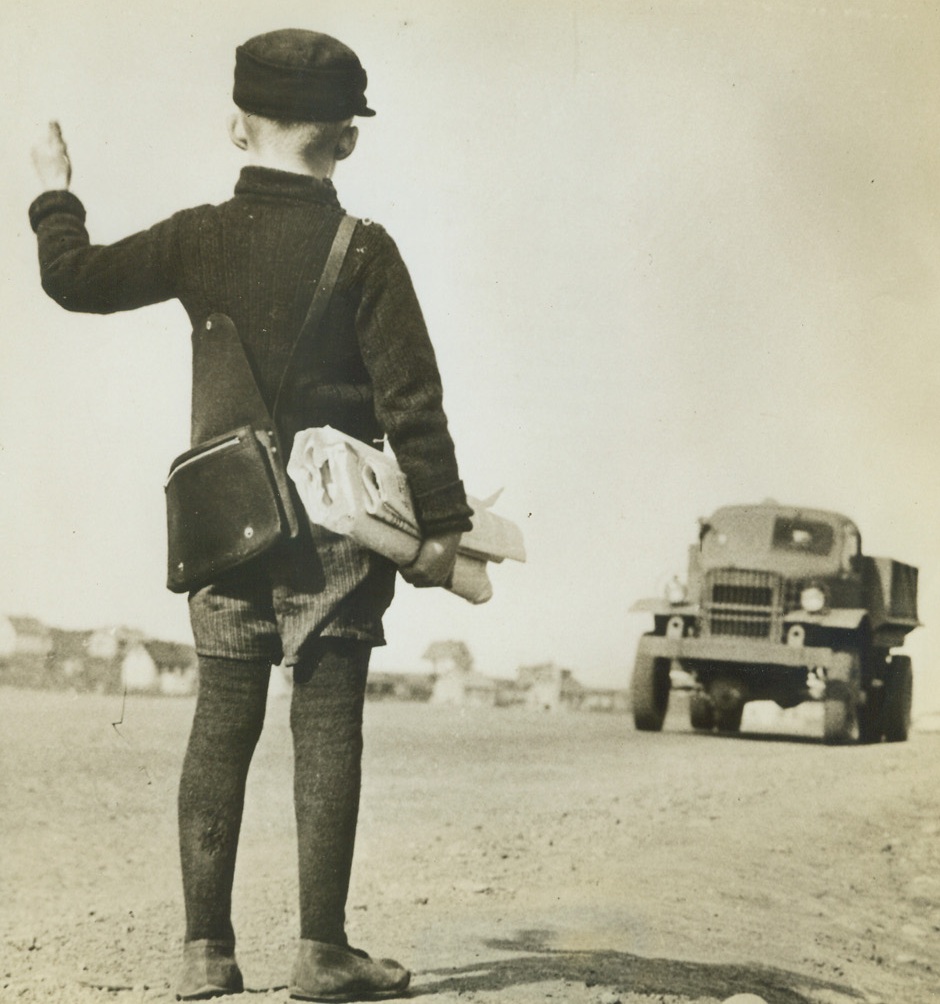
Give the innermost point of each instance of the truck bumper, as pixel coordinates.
(747, 653)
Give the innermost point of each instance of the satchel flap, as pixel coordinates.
(219, 444)
(223, 508)
(225, 391)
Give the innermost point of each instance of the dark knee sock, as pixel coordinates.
(226, 726)
(326, 722)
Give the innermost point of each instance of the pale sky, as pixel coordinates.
(672, 256)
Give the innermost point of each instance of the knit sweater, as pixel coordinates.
(371, 369)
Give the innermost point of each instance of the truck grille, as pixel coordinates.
(742, 604)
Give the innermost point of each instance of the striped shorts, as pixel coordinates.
(315, 586)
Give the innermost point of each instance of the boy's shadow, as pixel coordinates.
(620, 971)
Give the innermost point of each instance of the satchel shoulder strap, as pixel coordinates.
(231, 398)
(322, 294)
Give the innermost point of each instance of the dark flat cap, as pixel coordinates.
(300, 76)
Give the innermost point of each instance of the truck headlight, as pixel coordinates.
(676, 593)
(813, 599)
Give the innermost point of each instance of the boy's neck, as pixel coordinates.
(319, 168)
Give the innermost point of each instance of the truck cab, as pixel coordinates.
(781, 604)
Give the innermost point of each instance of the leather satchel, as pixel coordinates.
(223, 507)
(228, 498)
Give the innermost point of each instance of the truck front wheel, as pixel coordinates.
(728, 698)
(649, 690)
(701, 711)
(729, 719)
(839, 717)
(872, 707)
(899, 688)
(871, 716)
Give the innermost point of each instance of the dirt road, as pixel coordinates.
(503, 855)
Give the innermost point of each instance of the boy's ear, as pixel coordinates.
(236, 130)
(346, 142)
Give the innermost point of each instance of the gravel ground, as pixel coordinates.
(503, 855)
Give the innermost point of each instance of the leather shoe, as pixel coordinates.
(209, 970)
(338, 973)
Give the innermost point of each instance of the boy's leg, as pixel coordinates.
(227, 723)
(326, 722)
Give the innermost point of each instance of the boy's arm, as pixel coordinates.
(81, 276)
(407, 391)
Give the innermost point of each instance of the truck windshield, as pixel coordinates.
(802, 535)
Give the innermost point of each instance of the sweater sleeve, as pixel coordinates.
(398, 354)
(97, 279)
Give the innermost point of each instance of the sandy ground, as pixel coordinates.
(503, 855)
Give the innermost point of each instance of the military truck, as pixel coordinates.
(781, 604)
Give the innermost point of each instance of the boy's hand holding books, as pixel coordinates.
(434, 564)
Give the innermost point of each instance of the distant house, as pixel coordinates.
(175, 666)
(455, 680)
(158, 667)
(382, 686)
(70, 662)
(448, 656)
(615, 701)
(548, 687)
(82, 660)
(110, 642)
(379, 686)
(29, 655)
(24, 636)
(105, 660)
(139, 672)
(465, 686)
(508, 693)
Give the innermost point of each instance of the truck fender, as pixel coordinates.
(663, 608)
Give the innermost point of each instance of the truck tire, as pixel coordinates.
(839, 716)
(728, 719)
(870, 711)
(727, 697)
(701, 712)
(649, 691)
(871, 716)
(899, 688)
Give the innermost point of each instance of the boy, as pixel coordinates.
(315, 601)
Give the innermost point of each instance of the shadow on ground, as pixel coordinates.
(765, 737)
(619, 971)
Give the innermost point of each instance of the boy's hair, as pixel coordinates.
(307, 138)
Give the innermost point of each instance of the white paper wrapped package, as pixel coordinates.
(360, 492)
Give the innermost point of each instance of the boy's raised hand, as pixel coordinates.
(51, 159)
